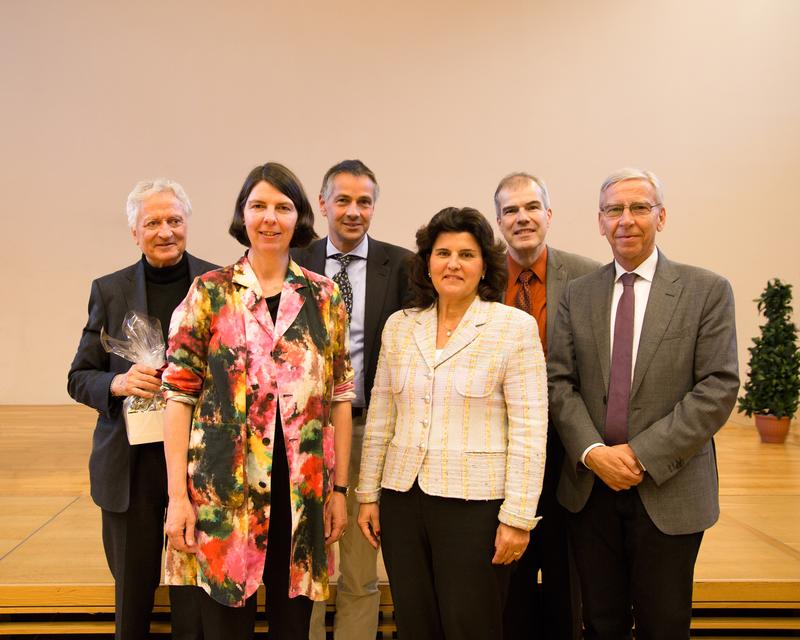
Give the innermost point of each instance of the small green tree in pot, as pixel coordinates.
(772, 391)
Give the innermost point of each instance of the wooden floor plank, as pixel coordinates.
(51, 554)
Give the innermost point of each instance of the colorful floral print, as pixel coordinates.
(238, 369)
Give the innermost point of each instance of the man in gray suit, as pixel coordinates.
(643, 372)
(537, 276)
(372, 277)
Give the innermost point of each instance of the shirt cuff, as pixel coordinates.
(368, 495)
(588, 449)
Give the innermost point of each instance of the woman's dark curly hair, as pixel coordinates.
(289, 185)
(455, 220)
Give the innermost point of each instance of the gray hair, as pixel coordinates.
(632, 173)
(146, 188)
(518, 179)
(354, 168)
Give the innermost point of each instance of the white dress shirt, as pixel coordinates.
(357, 273)
(641, 293)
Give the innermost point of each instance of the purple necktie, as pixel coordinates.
(619, 387)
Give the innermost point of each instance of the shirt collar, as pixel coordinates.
(360, 251)
(539, 267)
(646, 270)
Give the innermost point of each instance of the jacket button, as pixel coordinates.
(270, 396)
(265, 440)
(428, 398)
(262, 484)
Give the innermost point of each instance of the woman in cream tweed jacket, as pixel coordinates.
(455, 436)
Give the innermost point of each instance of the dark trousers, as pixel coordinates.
(550, 610)
(133, 542)
(438, 554)
(630, 570)
(288, 618)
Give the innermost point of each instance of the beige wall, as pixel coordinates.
(440, 98)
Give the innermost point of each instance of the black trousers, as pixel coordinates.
(133, 542)
(630, 571)
(438, 554)
(550, 610)
(288, 618)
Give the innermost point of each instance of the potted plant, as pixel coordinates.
(772, 390)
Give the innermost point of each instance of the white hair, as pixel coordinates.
(146, 188)
(631, 173)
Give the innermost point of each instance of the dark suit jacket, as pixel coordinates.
(92, 370)
(684, 387)
(387, 288)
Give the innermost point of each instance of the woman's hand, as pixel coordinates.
(509, 543)
(335, 517)
(140, 380)
(370, 522)
(180, 525)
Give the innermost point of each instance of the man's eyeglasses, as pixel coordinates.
(636, 209)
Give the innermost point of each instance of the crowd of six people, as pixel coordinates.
(526, 435)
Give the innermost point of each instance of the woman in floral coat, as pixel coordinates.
(257, 428)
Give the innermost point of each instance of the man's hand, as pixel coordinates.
(509, 544)
(180, 525)
(139, 380)
(369, 522)
(335, 517)
(617, 466)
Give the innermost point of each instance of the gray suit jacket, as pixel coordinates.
(684, 387)
(92, 370)
(387, 288)
(561, 268)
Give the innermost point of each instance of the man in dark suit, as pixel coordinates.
(537, 276)
(643, 372)
(129, 483)
(373, 281)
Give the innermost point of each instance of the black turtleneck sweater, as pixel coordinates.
(166, 287)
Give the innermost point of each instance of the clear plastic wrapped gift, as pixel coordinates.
(143, 343)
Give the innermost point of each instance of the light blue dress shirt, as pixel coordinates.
(357, 273)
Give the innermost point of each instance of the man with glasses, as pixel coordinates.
(537, 275)
(372, 277)
(643, 372)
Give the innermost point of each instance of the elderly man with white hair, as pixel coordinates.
(128, 482)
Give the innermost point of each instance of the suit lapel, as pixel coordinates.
(555, 281)
(292, 299)
(600, 314)
(317, 259)
(425, 335)
(376, 291)
(135, 289)
(467, 330)
(665, 292)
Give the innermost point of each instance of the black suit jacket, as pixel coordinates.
(92, 370)
(387, 289)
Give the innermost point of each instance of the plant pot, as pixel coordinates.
(772, 430)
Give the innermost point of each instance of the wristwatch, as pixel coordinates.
(338, 488)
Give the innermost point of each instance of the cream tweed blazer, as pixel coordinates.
(472, 425)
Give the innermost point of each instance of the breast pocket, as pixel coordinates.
(476, 383)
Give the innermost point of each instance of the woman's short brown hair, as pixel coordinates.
(289, 185)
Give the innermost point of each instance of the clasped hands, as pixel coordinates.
(616, 465)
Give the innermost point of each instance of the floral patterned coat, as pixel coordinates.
(228, 359)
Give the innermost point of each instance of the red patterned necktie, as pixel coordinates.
(523, 300)
(619, 387)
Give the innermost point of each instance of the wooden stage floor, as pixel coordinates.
(52, 562)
